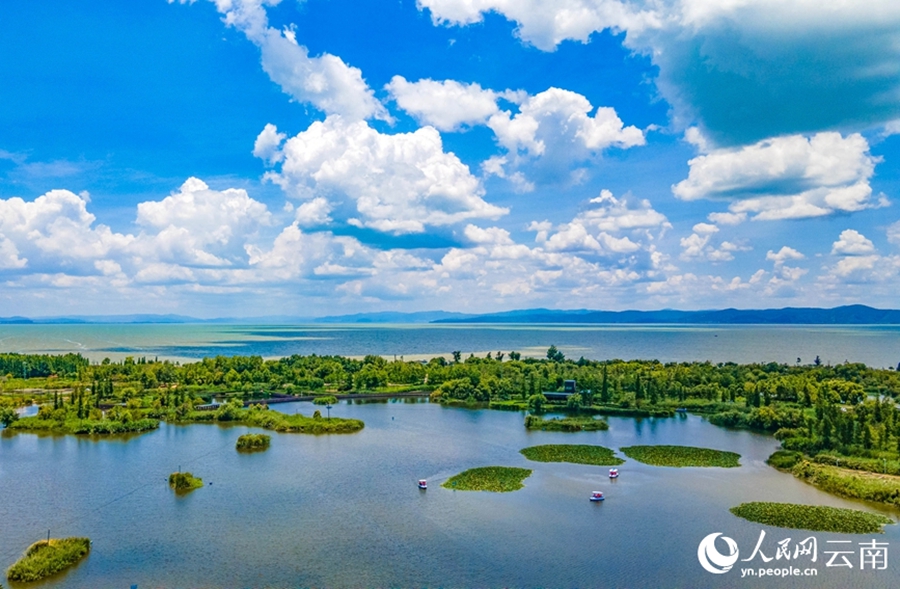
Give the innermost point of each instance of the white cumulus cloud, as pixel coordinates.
(446, 105)
(394, 183)
(324, 81)
(744, 69)
(852, 243)
(786, 177)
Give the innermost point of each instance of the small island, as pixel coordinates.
(566, 424)
(45, 558)
(576, 454)
(680, 456)
(815, 518)
(497, 479)
(184, 482)
(253, 443)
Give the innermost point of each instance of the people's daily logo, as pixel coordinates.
(714, 561)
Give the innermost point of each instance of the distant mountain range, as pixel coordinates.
(847, 315)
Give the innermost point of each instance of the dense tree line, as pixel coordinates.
(42, 365)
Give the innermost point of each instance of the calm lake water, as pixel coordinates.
(877, 346)
(344, 510)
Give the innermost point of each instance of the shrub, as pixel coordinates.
(44, 558)
(784, 459)
(253, 442)
(182, 482)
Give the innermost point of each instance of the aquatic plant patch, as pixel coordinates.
(816, 518)
(499, 479)
(253, 442)
(682, 456)
(44, 558)
(183, 482)
(83, 426)
(575, 453)
(565, 424)
(276, 421)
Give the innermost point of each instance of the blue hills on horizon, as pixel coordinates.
(844, 315)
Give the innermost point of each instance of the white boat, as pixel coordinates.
(423, 484)
(614, 473)
(597, 496)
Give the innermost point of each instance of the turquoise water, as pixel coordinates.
(344, 510)
(877, 346)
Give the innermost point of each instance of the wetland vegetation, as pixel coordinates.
(577, 423)
(498, 479)
(577, 454)
(45, 558)
(815, 518)
(682, 456)
(844, 414)
(253, 442)
(182, 482)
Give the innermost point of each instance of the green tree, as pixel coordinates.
(555, 355)
(8, 415)
(536, 402)
(604, 388)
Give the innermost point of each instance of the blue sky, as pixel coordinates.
(260, 157)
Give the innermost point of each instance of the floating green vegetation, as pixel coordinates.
(854, 484)
(681, 456)
(44, 558)
(258, 416)
(812, 517)
(565, 424)
(633, 411)
(578, 454)
(325, 400)
(182, 482)
(83, 426)
(499, 479)
(253, 442)
(509, 405)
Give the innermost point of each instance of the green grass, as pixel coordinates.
(681, 456)
(577, 454)
(182, 482)
(325, 400)
(633, 411)
(43, 559)
(83, 426)
(499, 479)
(565, 424)
(253, 442)
(849, 483)
(509, 405)
(279, 422)
(812, 517)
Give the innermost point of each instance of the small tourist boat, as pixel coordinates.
(614, 473)
(423, 484)
(597, 496)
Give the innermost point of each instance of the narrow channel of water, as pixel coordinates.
(344, 510)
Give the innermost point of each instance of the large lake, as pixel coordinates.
(344, 510)
(877, 346)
